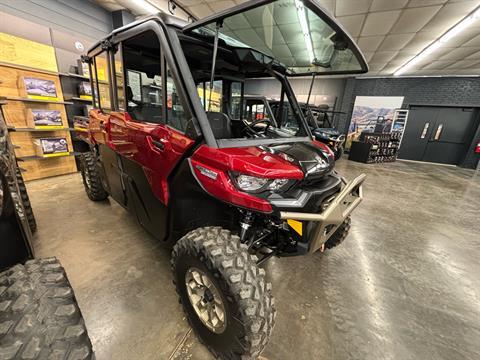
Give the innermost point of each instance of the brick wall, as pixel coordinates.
(454, 91)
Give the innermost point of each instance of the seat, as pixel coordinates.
(220, 124)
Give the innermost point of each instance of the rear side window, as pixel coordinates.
(143, 77)
(101, 82)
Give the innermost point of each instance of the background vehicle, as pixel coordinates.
(319, 118)
(168, 139)
(39, 315)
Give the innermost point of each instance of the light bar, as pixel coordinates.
(302, 18)
(454, 31)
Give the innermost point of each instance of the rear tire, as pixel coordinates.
(92, 180)
(32, 223)
(39, 316)
(238, 287)
(339, 235)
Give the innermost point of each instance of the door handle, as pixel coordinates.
(158, 144)
(438, 132)
(424, 131)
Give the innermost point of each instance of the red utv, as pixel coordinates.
(167, 140)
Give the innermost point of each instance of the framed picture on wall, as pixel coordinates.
(48, 147)
(85, 90)
(41, 89)
(46, 119)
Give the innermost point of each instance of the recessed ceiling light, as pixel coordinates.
(455, 30)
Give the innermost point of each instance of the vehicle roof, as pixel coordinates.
(168, 20)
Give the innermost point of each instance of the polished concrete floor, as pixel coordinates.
(404, 285)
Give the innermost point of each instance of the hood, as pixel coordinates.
(291, 160)
(314, 161)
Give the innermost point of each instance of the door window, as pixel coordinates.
(143, 77)
(177, 117)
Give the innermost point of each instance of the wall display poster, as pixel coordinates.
(47, 119)
(372, 114)
(85, 90)
(40, 89)
(53, 146)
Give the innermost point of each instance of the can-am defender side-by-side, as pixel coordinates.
(168, 141)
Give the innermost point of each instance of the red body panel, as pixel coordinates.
(249, 160)
(135, 141)
(222, 188)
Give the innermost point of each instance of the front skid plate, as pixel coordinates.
(335, 214)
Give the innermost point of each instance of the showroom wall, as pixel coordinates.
(79, 17)
(451, 91)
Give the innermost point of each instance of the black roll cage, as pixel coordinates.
(172, 51)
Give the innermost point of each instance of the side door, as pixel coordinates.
(147, 128)
(451, 136)
(421, 123)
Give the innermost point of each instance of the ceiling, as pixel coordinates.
(390, 32)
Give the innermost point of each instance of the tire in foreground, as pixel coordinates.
(39, 315)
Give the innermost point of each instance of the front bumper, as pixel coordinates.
(333, 216)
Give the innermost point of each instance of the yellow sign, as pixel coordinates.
(41, 97)
(49, 127)
(57, 154)
(19, 51)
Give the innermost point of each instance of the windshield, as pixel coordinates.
(293, 34)
(236, 117)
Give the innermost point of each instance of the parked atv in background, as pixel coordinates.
(169, 139)
(319, 120)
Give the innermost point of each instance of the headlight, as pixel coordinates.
(250, 183)
(255, 184)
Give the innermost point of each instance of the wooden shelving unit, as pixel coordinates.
(18, 108)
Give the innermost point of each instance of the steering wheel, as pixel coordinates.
(250, 127)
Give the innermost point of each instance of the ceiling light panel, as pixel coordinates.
(414, 19)
(222, 5)
(352, 23)
(395, 42)
(383, 56)
(370, 43)
(382, 5)
(379, 23)
(201, 10)
(421, 3)
(348, 7)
